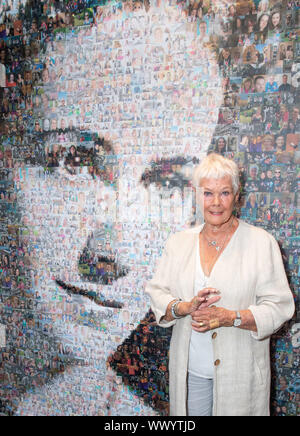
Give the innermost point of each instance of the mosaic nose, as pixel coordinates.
(99, 261)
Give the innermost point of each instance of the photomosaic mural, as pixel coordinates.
(106, 108)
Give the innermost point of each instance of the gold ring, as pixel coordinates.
(201, 324)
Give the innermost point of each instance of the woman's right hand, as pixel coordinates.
(205, 298)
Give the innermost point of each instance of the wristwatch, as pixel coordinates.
(238, 320)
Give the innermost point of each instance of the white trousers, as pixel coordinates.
(200, 396)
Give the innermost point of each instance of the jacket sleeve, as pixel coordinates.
(274, 300)
(159, 287)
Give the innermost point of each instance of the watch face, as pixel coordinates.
(237, 322)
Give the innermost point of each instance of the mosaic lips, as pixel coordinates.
(91, 295)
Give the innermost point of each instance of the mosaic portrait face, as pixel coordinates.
(123, 111)
(107, 106)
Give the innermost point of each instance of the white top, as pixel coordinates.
(201, 362)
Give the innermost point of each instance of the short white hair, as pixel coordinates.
(215, 166)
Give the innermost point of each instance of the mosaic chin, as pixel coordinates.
(113, 103)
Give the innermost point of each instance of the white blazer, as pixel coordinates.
(250, 275)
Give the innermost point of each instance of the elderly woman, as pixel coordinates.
(223, 288)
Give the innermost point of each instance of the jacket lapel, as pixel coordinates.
(188, 264)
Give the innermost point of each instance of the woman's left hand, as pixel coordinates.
(211, 318)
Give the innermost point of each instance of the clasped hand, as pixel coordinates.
(205, 315)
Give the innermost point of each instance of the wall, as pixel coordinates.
(106, 109)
